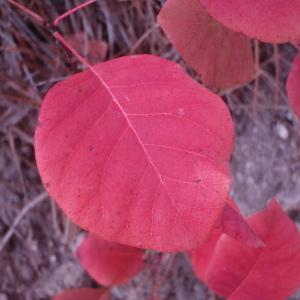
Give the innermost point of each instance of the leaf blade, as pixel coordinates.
(107, 262)
(96, 181)
(206, 45)
(271, 21)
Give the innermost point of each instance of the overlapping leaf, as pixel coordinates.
(234, 225)
(83, 294)
(109, 263)
(237, 271)
(293, 86)
(272, 21)
(94, 50)
(221, 56)
(143, 160)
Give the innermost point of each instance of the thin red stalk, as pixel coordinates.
(71, 11)
(27, 11)
(60, 38)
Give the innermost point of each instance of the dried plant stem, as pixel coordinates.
(256, 81)
(277, 73)
(54, 218)
(163, 278)
(143, 37)
(12, 145)
(30, 205)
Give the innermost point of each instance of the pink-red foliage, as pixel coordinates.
(109, 263)
(94, 50)
(143, 161)
(272, 21)
(293, 86)
(237, 271)
(221, 56)
(234, 225)
(83, 294)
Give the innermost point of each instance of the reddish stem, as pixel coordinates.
(71, 11)
(27, 11)
(60, 38)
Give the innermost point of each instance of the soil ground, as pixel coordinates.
(36, 240)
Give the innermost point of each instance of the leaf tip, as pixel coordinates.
(234, 225)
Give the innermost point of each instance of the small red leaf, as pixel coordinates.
(237, 271)
(109, 263)
(293, 86)
(222, 57)
(83, 294)
(143, 161)
(272, 21)
(94, 49)
(234, 225)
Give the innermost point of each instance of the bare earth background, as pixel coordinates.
(36, 240)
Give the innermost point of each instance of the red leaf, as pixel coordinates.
(201, 258)
(109, 263)
(83, 294)
(222, 57)
(237, 271)
(95, 50)
(234, 225)
(144, 162)
(293, 87)
(272, 21)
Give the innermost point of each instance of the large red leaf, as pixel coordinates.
(107, 262)
(142, 161)
(83, 294)
(237, 271)
(272, 21)
(221, 56)
(293, 86)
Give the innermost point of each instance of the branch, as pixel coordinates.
(29, 12)
(71, 11)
